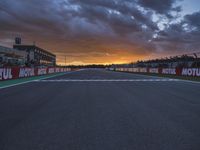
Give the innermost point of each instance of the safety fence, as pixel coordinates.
(23, 72)
(194, 72)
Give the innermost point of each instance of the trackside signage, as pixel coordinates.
(51, 70)
(191, 72)
(5, 73)
(42, 71)
(169, 71)
(153, 70)
(23, 72)
(26, 72)
(194, 72)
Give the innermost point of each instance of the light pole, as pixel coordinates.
(65, 60)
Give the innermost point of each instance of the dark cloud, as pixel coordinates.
(162, 7)
(183, 36)
(95, 28)
(193, 20)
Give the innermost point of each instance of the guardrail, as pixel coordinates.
(23, 72)
(194, 72)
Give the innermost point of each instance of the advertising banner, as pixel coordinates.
(193, 72)
(23, 72)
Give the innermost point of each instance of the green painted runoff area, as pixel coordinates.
(23, 80)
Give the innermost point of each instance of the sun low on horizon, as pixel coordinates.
(103, 32)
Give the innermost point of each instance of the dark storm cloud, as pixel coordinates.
(28, 15)
(89, 17)
(94, 27)
(41, 13)
(182, 36)
(160, 6)
(193, 20)
(119, 13)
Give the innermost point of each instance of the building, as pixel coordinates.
(12, 57)
(36, 56)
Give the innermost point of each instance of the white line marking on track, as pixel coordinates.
(142, 75)
(109, 80)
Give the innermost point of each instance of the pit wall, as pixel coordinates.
(193, 72)
(24, 72)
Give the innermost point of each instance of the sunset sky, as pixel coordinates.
(103, 31)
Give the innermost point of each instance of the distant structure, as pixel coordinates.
(36, 56)
(191, 60)
(12, 57)
(18, 40)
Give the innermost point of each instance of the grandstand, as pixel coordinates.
(11, 57)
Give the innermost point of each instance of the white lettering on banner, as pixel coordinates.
(10, 73)
(61, 69)
(51, 70)
(42, 71)
(26, 72)
(57, 70)
(5, 74)
(169, 71)
(153, 70)
(191, 72)
(135, 69)
(67, 69)
(143, 70)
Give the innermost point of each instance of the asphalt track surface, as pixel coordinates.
(101, 110)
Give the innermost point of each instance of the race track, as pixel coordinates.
(101, 110)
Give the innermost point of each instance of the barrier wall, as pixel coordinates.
(23, 72)
(194, 72)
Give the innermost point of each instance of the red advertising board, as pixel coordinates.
(195, 72)
(23, 72)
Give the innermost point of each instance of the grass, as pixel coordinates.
(28, 79)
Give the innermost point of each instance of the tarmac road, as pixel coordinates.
(101, 110)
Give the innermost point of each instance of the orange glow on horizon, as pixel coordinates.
(121, 58)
